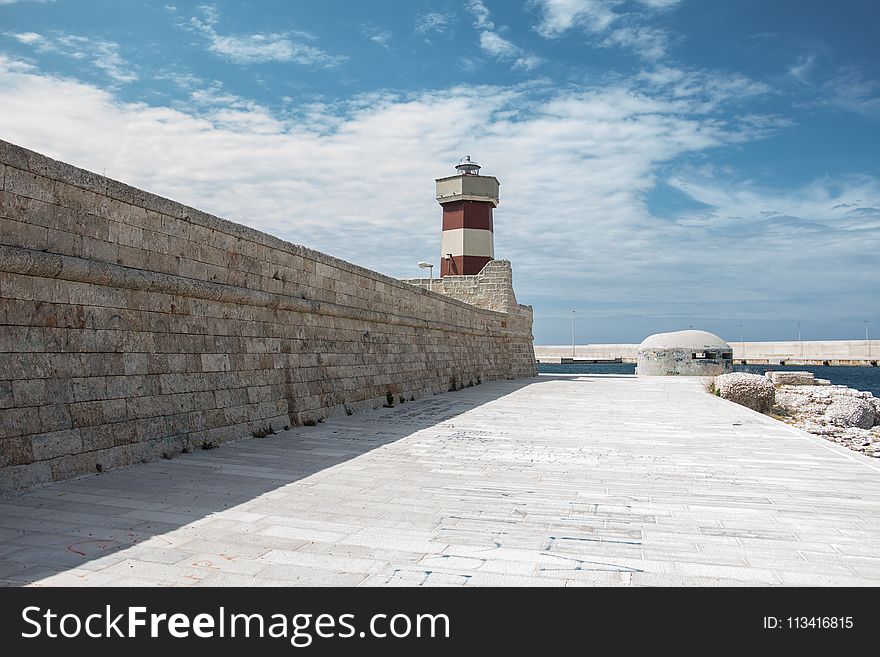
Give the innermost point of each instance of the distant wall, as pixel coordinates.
(133, 327)
(808, 349)
(850, 351)
(552, 353)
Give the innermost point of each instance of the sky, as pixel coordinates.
(664, 164)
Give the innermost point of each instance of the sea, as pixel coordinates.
(860, 378)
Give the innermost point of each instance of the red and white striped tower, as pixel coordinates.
(467, 241)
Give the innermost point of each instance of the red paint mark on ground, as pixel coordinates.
(102, 544)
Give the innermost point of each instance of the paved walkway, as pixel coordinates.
(561, 480)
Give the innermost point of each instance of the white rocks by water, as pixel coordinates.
(840, 414)
(792, 378)
(751, 390)
(850, 412)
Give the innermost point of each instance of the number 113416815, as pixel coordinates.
(808, 623)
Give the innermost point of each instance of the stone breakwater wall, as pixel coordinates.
(133, 327)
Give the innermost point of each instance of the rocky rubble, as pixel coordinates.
(838, 413)
(752, 390)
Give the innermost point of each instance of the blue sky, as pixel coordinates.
(663, 163)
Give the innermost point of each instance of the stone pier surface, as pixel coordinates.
(554, 481)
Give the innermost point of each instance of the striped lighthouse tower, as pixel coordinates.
(467, 241)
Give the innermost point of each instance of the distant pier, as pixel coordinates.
(834, 353)
(588, 361)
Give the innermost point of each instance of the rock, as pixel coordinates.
(791, 378)
(876, 403)
(750, 390)
(861, 436)
(850, 412)
(802, 400)
(819, 429)
(822, 382)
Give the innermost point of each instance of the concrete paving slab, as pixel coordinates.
(557, 481)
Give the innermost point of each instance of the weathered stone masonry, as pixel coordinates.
(133, 327)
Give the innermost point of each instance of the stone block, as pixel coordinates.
(87, 414)
(16, 233)
(780, 378)
(15, 451)
(99, 437)
(74, 465)
(114, 410)
(29, 392)
(97, 249)
(55, 417)
(29, 185)
(6, 400)
(29, 475)
(215, 362)
(750, 390)
(19, 421)
(851, 412)
(56, 443)
(89, 389)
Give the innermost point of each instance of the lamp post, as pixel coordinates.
(867, 341)
(800, 343)
(572, 333)
(742, 343)
(430, 268)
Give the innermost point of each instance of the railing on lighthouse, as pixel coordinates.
(467, 167)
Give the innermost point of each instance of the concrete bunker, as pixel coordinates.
(684, 353)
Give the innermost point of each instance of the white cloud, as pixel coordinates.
(846, 88)
(100, 53)
(650, 43)
(259, 47)
(599, 18)
(527, 62)
(848, 204)
(469, 64)
(800, 71)
(481, 15)
(377, 35)
(356, 180)
(28, 38)
(559, 16)
(436, 22)
(495, 45)
(660, 4)
(12, 2)
(704, 91)
(850, 90)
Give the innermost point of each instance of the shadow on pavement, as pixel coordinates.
(50, 530)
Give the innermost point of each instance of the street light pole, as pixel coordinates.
(430, 268)
(867, 341)
(742, 343)
(572, 333)
(801, 344)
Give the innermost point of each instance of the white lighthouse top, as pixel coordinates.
(467, 166)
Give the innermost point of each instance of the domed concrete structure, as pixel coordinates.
(686, 353)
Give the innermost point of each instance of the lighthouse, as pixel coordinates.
(467, 240)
